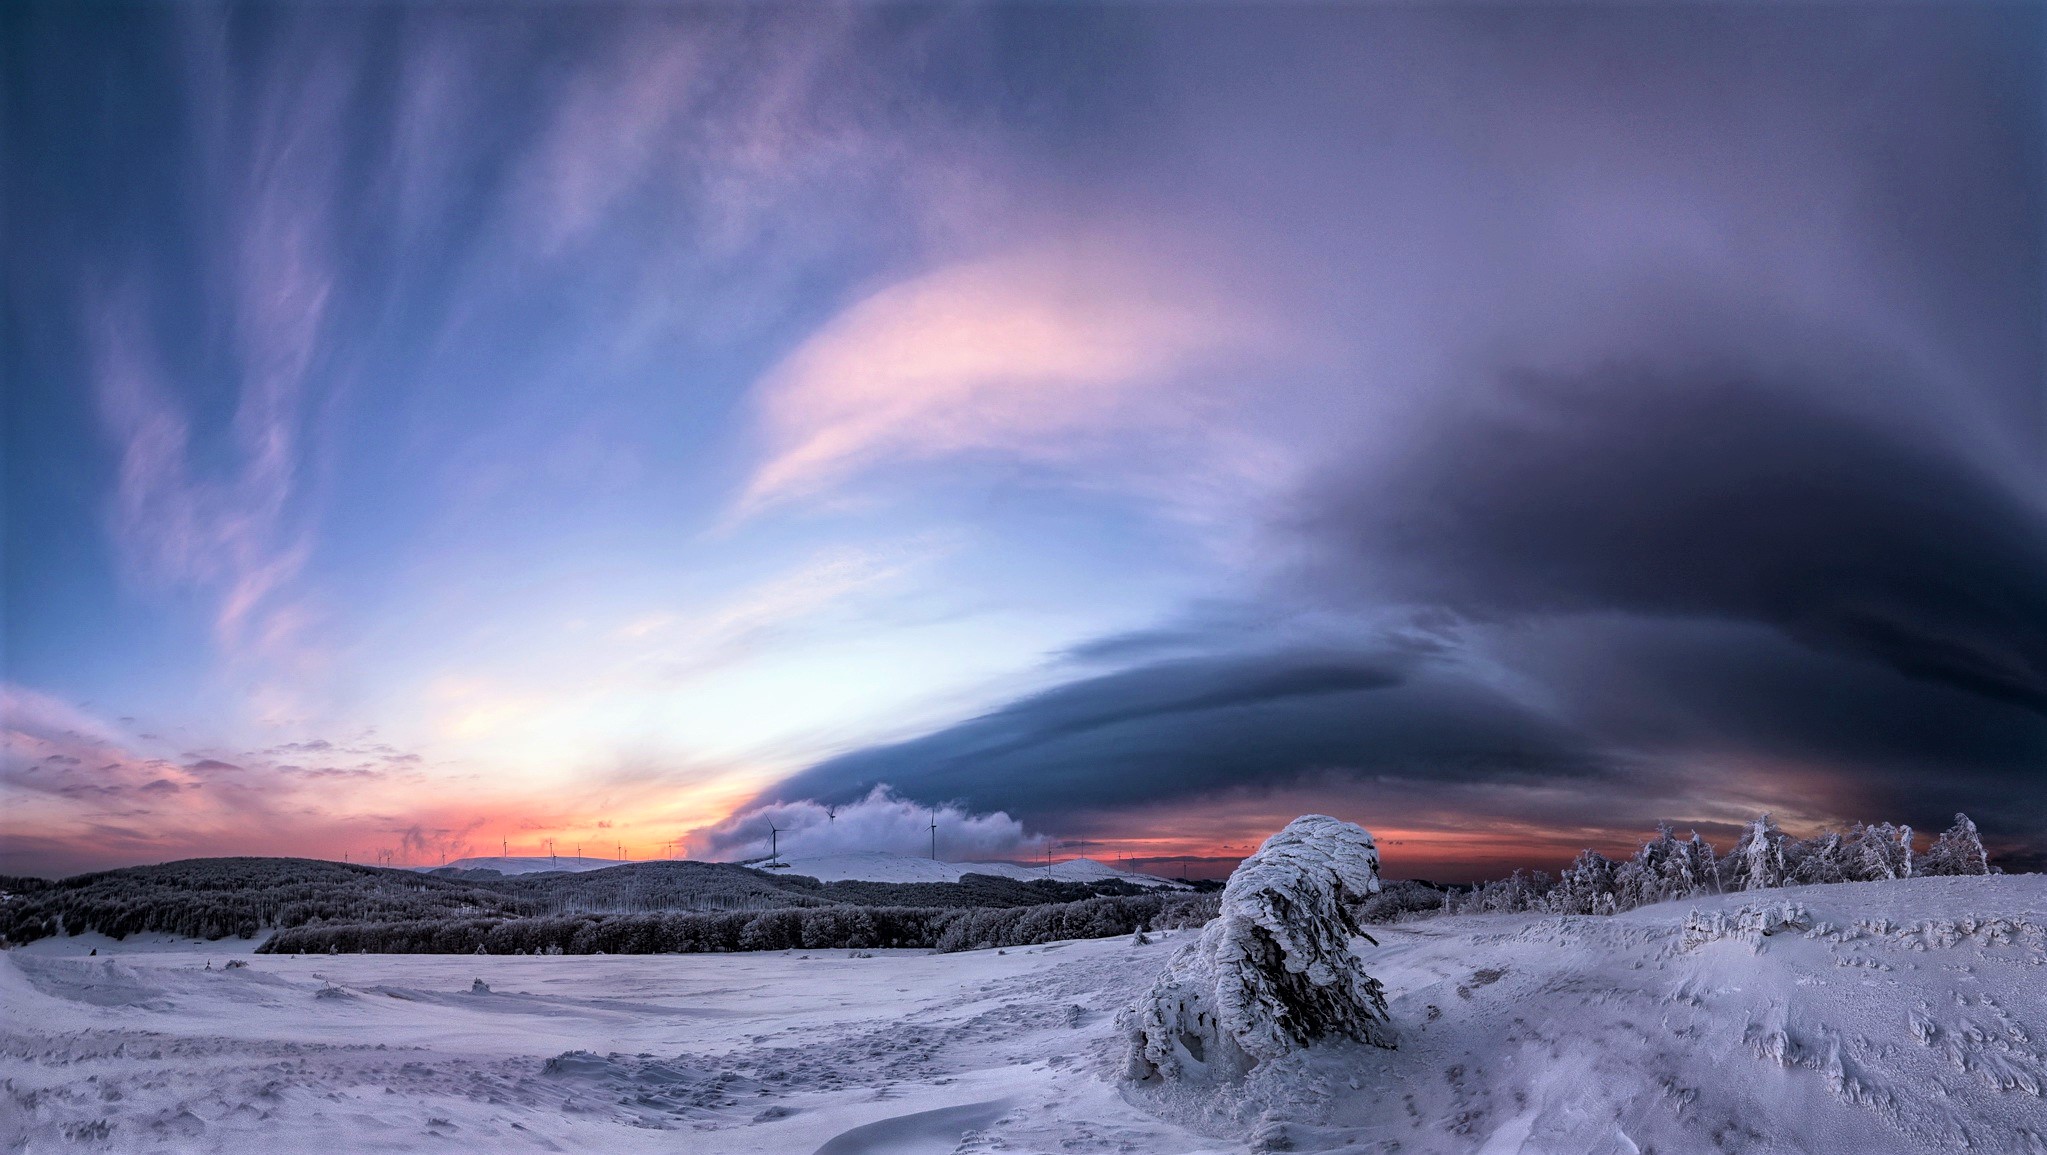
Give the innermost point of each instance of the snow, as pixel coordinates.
(879, 866)
(537, 864)
(1904, 1016)
(1275, 970)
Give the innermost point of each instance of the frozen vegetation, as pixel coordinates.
(1275, 970)
(1903, 1014)
(1667, 867)
(309, 906)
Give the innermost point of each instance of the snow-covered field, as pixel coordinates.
(1874, 1017)
(873, 866)
(534, 864)
(878, 866)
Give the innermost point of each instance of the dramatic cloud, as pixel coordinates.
(876, 821)
(1199, 726)
(1709, 491)
(1741, 711)
(1045, 354)
(1502, 425)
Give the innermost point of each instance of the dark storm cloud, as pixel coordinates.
(1691, 438)
(1190, 727)
(1724, 700)
(1707, 491)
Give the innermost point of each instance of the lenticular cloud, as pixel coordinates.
(881, 821)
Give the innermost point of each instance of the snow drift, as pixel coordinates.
(1274, 971)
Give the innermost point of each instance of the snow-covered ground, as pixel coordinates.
(536, 864)
(1892, 1017)
(877, 866)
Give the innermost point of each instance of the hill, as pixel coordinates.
(880, 866)
(214, 898)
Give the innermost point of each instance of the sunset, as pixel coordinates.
(1022, 437)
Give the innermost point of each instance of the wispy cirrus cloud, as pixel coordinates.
(687, 644)
(1065, 352)
(174, 527)
(201, 502)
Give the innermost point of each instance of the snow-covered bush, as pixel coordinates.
(1757, 861)
(1823, 858)
(1521, 891)
(1275, 970)
(1959, 850)
(1880, 852)
(1867, 853)
(1401, 900)
(1587, 886)
(1665, 868)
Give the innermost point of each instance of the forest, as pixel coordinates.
(212, 898)
(1666, 867)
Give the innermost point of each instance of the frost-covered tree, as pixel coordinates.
(1275, 969)
(1663, 869)
(1959, 850)
(1701, 866)
(1521, 891)
(1880, 852)
(1822, 858)
(1585, 887)
(1757, 860)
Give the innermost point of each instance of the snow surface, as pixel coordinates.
(1874, 1017)
(537, 864)
(878, 866)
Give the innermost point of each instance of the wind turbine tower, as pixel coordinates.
(934, 834)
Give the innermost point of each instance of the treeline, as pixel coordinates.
(806, 928)
(211, 898)
(1667, 867)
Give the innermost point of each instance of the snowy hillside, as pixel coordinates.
(878, 866)
(1904, 1016)
(537, 864)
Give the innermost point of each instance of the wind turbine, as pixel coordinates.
(934, 834)
(774, 844)
(831, 814)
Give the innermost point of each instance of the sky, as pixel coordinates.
(437, 429)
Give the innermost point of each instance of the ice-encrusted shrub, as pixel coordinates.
(1757, 861)
(1880, 852)
(1750, 924)
(1401, 900)
(1823, 858)
(1959, 850)
(1666, 868)
(1521, 891)
(1585, 887)
(1275, 970)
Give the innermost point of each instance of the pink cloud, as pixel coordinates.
(1046, 353)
